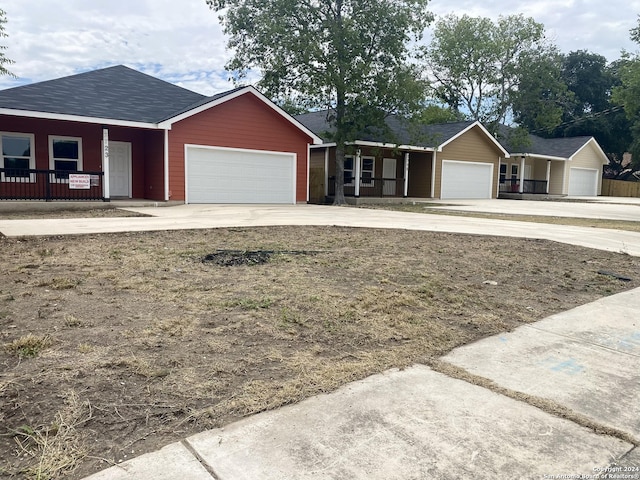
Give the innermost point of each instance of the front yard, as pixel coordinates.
(116, 345)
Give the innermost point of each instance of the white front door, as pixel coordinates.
(389, 176)
(120, 169)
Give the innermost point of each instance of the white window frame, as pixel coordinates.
(352, 170)
(362, 170)
(32, 158)
(52, 159)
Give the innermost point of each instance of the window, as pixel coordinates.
(17, 157)
(367, 171)
(503, 172)
(348, 170)
(65, 155)
(514, 171)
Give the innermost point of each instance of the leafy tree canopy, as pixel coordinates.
(349, 56)
(478, 64)
(3, 59)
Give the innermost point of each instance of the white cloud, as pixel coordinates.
(160, 37)
(181, 40)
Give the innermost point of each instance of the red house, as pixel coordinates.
(118, 133)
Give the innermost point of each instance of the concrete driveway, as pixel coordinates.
(215, 216)
(610, 208)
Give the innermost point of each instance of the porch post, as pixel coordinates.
(434, 158)
(326, 171)
(167, 192)
(406, 175)
(548, 174)
(105, 163)
(521, 189)
(357, 173)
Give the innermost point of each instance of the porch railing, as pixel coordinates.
(529, 186)
(48, 185)
(371, 187)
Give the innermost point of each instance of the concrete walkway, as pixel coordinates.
(215, 216)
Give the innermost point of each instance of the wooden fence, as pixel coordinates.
(620, 188)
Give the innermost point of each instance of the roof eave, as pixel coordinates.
(366, 143)
(77, 118)
(544, 157)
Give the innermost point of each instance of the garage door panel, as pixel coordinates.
(583, 182)
(218, 175)
(466, 179)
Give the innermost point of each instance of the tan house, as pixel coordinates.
(554, 166)
(452, 160)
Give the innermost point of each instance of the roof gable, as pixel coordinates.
(118, 93)
(210, 102)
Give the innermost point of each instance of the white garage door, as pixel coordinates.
(583, 182)
(466, 179)
(225, 175)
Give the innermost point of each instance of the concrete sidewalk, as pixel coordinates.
(216, 216)
(602, 208)
(419, 424)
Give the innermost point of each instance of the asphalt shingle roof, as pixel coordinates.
(564, 147)
(402, 133)
(117, 93)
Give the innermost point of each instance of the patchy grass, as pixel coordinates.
(157, 344)
(55, 450)
(28, 346)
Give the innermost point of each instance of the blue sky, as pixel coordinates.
(181, 40)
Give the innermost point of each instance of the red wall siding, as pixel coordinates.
(142, 145)
(244, 122)
(154, 165)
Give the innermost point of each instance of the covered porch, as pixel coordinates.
(380, 173)
(46, 159)
(529, 175)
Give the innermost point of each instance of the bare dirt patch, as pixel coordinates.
(115, 345)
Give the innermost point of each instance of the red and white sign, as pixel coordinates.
(79, 181)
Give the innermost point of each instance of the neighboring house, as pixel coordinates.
(553, 166)
(163, 142)
(453, 160)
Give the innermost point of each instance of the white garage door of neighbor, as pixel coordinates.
(466, 179)
(225, 175)
(583, 182)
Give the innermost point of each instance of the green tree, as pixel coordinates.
(627, 94)
(3, 59)
(542, 96)
(351, 57)
(587, 76)
(478, 64)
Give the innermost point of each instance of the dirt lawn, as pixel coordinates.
(116, 345)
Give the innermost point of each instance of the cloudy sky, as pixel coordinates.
(181, 40)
